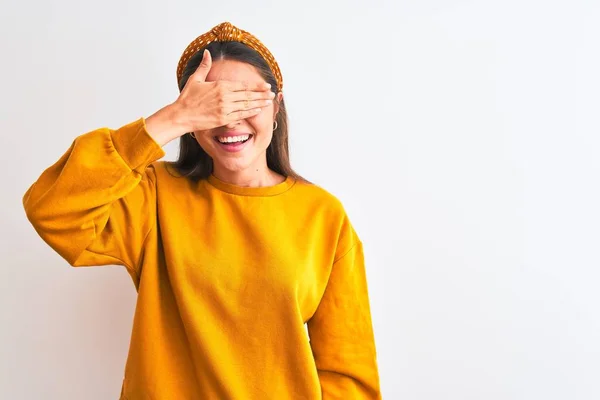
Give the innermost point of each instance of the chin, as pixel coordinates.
(233, 165)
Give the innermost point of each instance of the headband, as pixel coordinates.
(226, 32)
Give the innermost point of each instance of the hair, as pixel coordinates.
(193, 162)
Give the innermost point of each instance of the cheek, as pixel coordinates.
(205, 136)
(205, 140)
(262, 123)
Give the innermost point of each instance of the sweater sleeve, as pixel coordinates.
(96, 204)
(341, 333)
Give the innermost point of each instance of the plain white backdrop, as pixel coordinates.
(462, 137)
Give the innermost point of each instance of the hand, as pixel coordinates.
(205, 105)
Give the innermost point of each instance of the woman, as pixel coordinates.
(230, 251)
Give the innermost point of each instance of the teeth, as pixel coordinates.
(232, 139)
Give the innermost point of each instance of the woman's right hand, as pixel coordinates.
(205, 105)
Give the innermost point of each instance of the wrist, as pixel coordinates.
(165, 124)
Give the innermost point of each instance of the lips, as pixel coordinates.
(233, 139)
(233, 142)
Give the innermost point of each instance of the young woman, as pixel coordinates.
(231, 252)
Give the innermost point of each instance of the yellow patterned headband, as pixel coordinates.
(226, 32)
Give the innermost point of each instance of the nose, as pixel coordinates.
(232, 124)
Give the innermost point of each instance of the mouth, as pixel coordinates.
(233, 143)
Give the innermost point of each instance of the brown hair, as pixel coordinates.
(193, 162)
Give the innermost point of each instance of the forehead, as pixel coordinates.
(231, 70)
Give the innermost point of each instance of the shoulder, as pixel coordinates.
(317, 195)
(165, 172)
(167, 179)
(324, 206)
(165, 169)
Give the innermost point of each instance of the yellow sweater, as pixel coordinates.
(226, 276)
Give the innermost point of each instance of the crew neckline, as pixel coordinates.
(251, 191)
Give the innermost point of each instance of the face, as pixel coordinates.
(250, 155)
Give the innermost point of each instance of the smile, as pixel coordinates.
(233, 143)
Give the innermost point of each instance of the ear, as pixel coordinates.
(276, 103)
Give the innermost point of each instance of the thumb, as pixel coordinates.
(202, 70)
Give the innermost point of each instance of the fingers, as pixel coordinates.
(204, 67)
(243, 114)
(250, 95)
(248, 86)
(251, 104)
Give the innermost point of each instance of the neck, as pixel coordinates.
(250, 177)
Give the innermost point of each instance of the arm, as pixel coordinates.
(341, 333)
(96, 204)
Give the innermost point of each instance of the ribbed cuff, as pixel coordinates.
(136, 146)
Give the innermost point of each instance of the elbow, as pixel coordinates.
(55, 233)
(32, 208)
(36, 215)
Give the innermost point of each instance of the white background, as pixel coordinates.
(462, 137)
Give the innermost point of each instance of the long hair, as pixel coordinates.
(193, 162)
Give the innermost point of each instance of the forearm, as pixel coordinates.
(166, 124)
